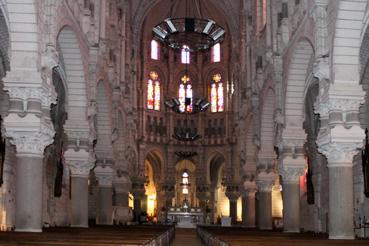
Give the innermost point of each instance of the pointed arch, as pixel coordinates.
(267, 123)
(296, 83)
(103, 122)
(72, 65)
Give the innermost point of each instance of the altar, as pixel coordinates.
(185, 218)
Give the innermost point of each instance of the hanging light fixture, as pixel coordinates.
(200, 105)
(196, 33)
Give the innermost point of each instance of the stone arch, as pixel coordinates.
(295, 85)
(4, 58)
(103, 123)
(72, 65)
(364, 79)
(155, 158)
(4, 44)
(213, 163)
(267, 124)
(250, 150)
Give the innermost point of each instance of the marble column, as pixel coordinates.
(291, 170)
(104, 213)
(80, 163)
(29, 179)
(28, 197)
(265, 182)
(248, 204)
(341, 206)
(233, 194)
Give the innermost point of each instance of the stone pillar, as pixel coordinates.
(265, 182)
(104, 213)
(248, 204)
(203, 194)
(29, 128)
(341, 206)
(30, 145)
(233, 194)
(138, 191)
(80, 162)
(291, 170)
(122, 213)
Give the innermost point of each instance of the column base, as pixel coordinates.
(79, 226)
(28, 230)
(341, 237)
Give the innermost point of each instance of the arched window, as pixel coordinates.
(215, 53)
(185, 182)
(261, 8)
(185, 94)
(155, 50)
(185, 54)
(217, 94)
(153, 92)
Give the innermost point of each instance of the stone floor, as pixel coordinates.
(242, 236)
(186, 237)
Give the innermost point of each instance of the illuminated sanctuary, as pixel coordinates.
(185, 112)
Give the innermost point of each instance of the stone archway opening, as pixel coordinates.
(186, 184)
(150, 204)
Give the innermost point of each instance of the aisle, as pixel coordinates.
(186, 237)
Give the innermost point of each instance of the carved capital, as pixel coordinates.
(233, 192)
(340, 154)
(250, 186)
(291, 174)
(80, 162)
(30, 134)
(340, 144)
(104, 176)
(265, 181)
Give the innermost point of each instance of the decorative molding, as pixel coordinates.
(265, 181)
(250, 186)
(80, 162)
(291, 174)
(104, 176)
(32, 143)
(44, 94)
(340, 154)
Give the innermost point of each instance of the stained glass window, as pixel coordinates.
(215, 53)
(181, 97)
(185, 54)
(154, 50)
(217, 94)
(150, 95)
(153, 92)
(185, 182)
(185, 94)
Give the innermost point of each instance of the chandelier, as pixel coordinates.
(200, 105)
(197, 34)
(185, 154)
